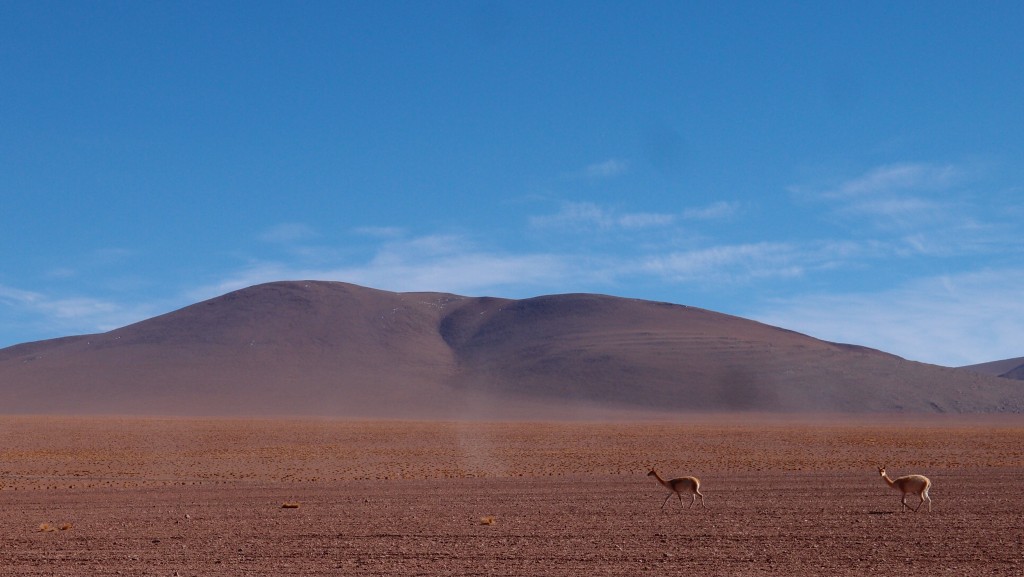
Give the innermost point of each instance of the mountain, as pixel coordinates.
(336, 349)
(1007, 368)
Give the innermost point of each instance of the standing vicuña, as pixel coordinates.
(690, 485)
(910, 485)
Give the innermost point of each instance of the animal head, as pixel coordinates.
(881, 471)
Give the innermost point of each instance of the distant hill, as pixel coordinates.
(336, 349)
(1007, 368)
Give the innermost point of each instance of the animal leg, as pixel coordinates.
(921, 503)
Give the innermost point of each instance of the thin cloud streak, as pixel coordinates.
(895, 197)
(587, 216)
(895, 178)
(931, 210)
(714, 211)
(641, 220)
(603, 170)
(288, 232)
(14, 297)
(734, 263)
(382, 232)
(74, 314)
(57, 308)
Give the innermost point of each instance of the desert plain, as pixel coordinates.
(786, 495)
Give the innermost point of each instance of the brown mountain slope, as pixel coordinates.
(326, 348)
(280, 348)
(1007, 368)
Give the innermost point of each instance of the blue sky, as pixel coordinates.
(851, 170)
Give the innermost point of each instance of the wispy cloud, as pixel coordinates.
(56, 307)
(383, 232)
(894, 195)
(639, 220)
(930, 202)
(102, 258)
(949, 320)
(14, 297)
(588, 216)
(727, 263)
(893, 179)
(714, 211)
(591, 216)
(70, 314)
(288, 232)
(606, 169)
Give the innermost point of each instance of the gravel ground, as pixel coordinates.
(215, 504)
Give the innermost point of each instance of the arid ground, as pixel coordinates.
(138, 496)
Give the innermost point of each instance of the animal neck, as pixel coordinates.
(888, 481)
(659, 479)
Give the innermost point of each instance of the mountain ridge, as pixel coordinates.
(337, 349)
(1006, 368)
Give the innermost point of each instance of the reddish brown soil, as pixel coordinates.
(205, 497)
